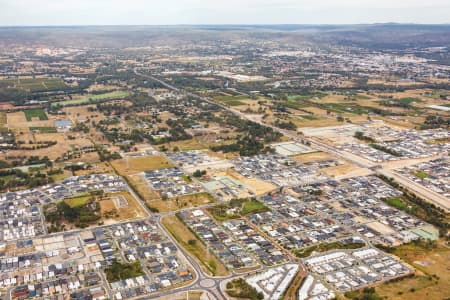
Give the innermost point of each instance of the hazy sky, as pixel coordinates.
(161, 12)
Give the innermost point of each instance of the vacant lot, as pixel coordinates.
(130, 166)
(16, 120)
(142, 187)
(181, 202)
(257, 186)
(310, 157)
(187, 145)
(130, 211)
(195, 247)
(432, 276)
(93, 98)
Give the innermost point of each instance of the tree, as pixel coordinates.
(199, 173)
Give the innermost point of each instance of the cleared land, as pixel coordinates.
(176, 203)
(257, 186)
(195, 247)
(135, 165)
(347, 170)
(310, 157)
(129, 211)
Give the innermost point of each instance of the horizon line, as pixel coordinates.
(225, 24)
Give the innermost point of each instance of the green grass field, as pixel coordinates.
(34, 84)
(77, 201)
(401, 204)
(231, 100)
(35, 113)
(253, 206)
(93, 98)
(421, 174)
(43, 129)
(397, 203)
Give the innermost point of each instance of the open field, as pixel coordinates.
(79, 113)
(431, 278)
(60, 177)
(180, 202)
(33, 84)
(130, 166)
(20, 120)
(258, 186)
(98, 167)
(318, 122)
(3, 119)
(130, 211)
(77, 201)
(346, 170)
(16, 120)
(63, 144)
(92, 98)
(187, 145)
(195, 247)
(33, 114)
(231, 100)
(142, 188)
(310, 157)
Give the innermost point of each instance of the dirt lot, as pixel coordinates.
(257, 186)
(136, 165)
(131, 211)
(347, 170)
(181, 202)
(310, 157)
